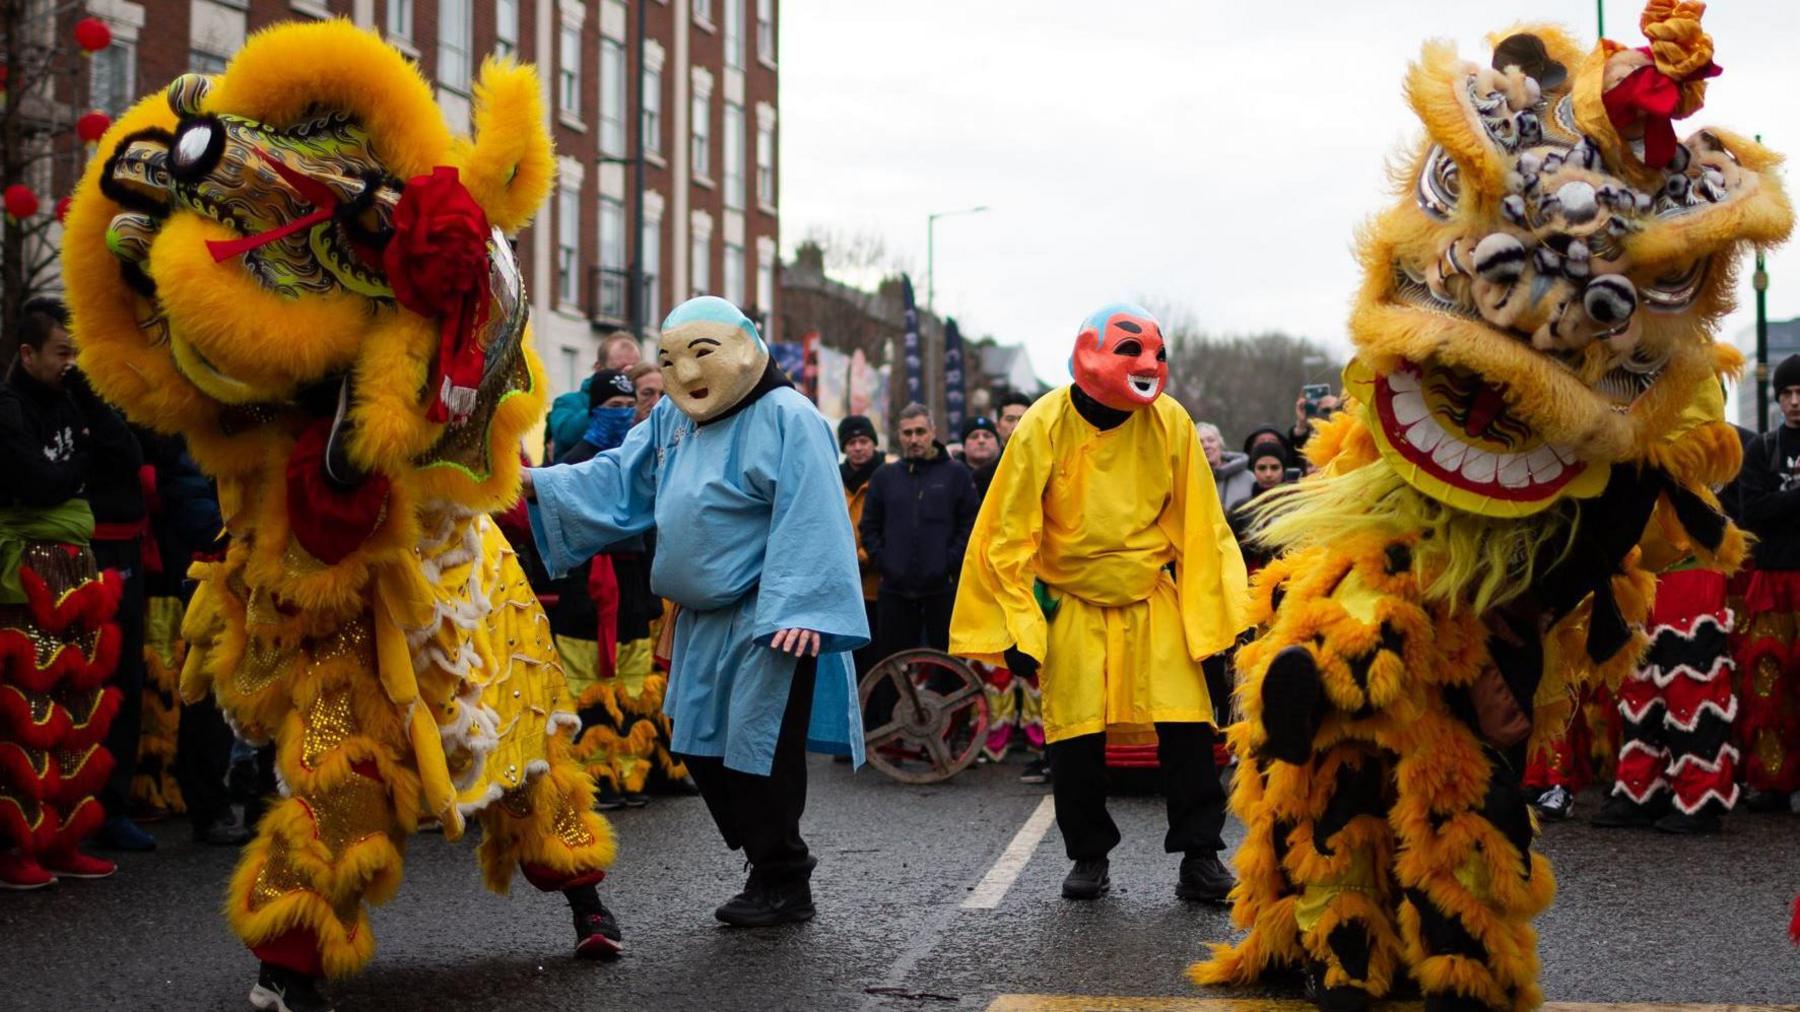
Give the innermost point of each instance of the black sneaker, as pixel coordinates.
(766, 903)
(1334, 999)
(1204, 878)
(597, 934)
(224, 831)
(1037, 772)
(608, 800)
(1702, 823)
(1620, 812)
(1088, 880)
(1765, 801)
(1555, 804)
(636, 799)
(279, 989)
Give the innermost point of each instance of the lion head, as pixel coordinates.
(1539, 303)
(299, 242)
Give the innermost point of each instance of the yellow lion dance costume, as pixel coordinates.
(299, 268)
(1535, 426)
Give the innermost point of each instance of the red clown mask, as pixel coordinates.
(1119, 358)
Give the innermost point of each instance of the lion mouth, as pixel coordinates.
(1488, 452)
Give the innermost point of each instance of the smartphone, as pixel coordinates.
(1314, 393)
(1291, 475)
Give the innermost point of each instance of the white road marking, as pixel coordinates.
(993, 886)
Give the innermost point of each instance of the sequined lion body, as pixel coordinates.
(1534, 425)
(249, 261)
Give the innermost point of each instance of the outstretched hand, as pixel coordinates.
(525, 487)
(799, 642)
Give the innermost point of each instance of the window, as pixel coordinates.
(612, 98)
(765, 30)
(702, 261)
(734, 33)
(456, 30)
(734, 275)
(506, 27)
(113, 76)
(765, 287)
(568, 238)
(703, 11)
(702, 156)
(765, 166)
(202, 62)
(734, 155)
(652, 236)
(652, 139)
(571, 367)
(400, 20)
(613, 268)
(568, 71)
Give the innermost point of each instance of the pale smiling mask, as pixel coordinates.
(711, 357)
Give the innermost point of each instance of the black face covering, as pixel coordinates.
(1097, 414)
(856, 477)
(772, 379)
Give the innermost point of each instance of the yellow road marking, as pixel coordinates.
(1079, 1003)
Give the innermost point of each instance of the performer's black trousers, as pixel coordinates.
(202, 758)
(1190, 784)
(908, 622)
(762, 814)
(128, 677)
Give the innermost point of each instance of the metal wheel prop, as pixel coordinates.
(929, 717)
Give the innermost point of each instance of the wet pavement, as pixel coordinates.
(1639, 917)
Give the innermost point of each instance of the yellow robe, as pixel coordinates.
(1098, 517)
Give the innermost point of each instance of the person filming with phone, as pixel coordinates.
(1315, 401)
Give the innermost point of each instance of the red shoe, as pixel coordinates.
(75, 864)
(19, 872)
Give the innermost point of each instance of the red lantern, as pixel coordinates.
(62, 210)
(20, 201)
(91, 127)
(92, 35)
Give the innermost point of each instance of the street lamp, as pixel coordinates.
(931, 247)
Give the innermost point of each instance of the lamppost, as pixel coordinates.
(931, 247)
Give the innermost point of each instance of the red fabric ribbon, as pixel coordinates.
(603, 589)
(1652, 96)
(320, 196)
(329, 521)
(437, 264)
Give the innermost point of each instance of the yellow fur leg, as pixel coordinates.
(549, 822)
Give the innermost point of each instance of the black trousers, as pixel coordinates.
(202, 758)
(127, 727)
(908, 622)
(1190, 785)
(761, 814)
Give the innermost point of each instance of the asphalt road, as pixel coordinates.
(1639, 918)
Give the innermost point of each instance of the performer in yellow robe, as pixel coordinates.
(1102, 557)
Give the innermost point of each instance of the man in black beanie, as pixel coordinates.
(856, 438)
(1769, 659)
(981, 451)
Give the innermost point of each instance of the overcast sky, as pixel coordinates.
(1200, 154)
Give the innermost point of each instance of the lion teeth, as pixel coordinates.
(1449, 454)
(1409, 407)
(1479, 466)
(1425, 435)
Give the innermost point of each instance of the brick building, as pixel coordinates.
(708, 134)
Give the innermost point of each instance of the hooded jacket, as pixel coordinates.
(1232, 477)
(916, 522)
(1768, 494)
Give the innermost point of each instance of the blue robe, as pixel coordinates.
(755, 539)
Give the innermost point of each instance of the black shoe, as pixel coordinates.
(1620, 812)
(1765, 802)
(1204, 878)
(1555, 804)
(765, 903)
(1455, 1003)
(597, 934)
(1334, 999)
(1702, 823)
(224, 831)
(1037, 772)
(1088, 880)
(279, 989)
(636, 799)
(608, 800)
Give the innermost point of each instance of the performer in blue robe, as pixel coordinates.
(738, 472)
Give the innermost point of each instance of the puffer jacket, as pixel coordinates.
(1232, 478)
